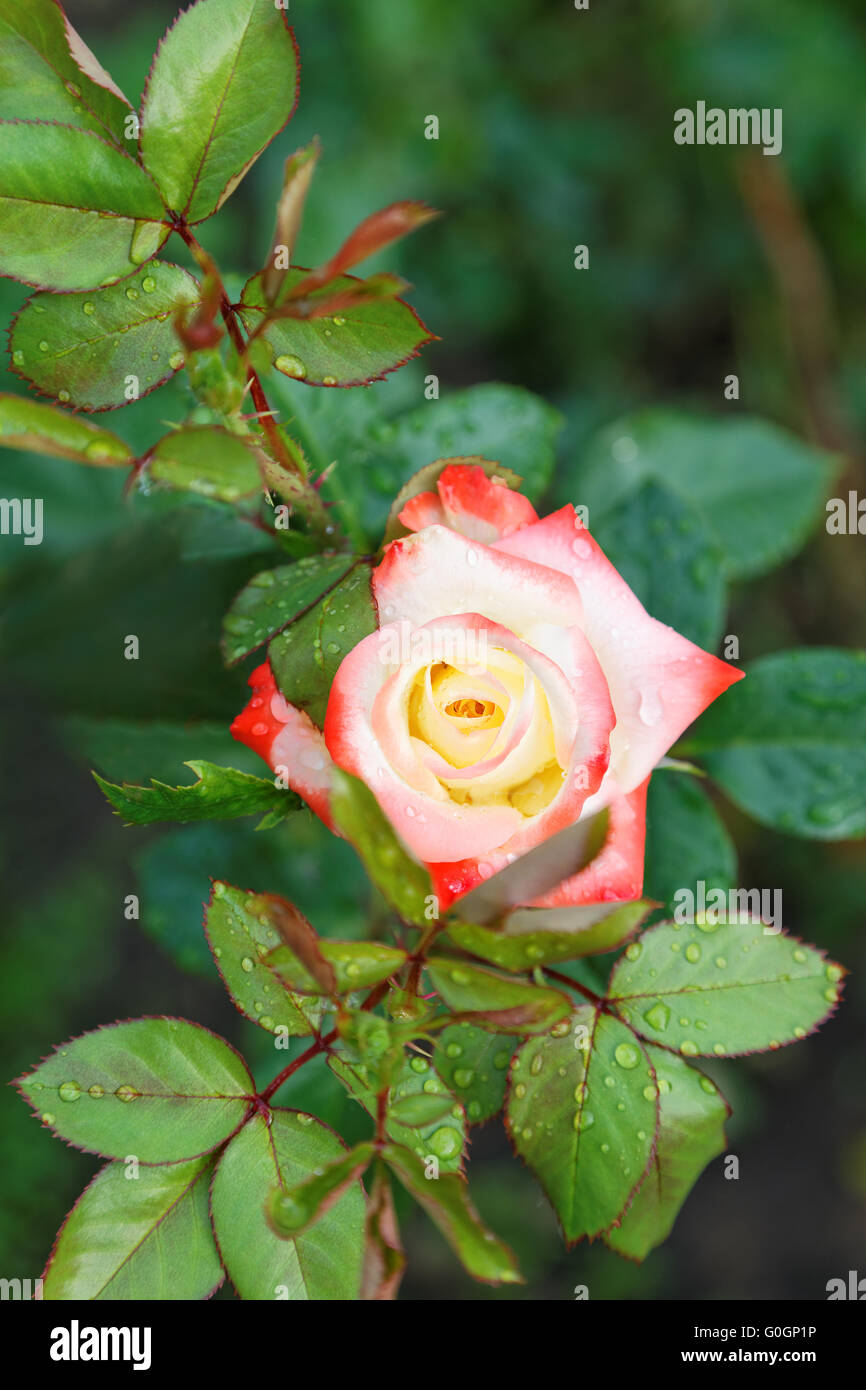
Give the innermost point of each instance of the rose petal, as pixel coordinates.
(287, 739)
(659, 681)
(480, 507)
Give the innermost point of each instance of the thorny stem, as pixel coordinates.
(311, 501)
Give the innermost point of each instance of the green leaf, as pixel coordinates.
(500, 1004)
(356, 964)
(722, 988)
(788, 744)
(446, 1201)
(240, 933)
(759, 489)
(521, 945)
(206, 460)
(102, 349)
(305, 657)
(275, 598)
(403, 882)
(43, 76)
(159, 1088)
(421, 1109)
(146, 1240)
(444, 1141)
(75, 212)
(692, 1116)
(220, 793)
(686, 841)
(474, 1064)
(582, 1112)
(223, 84)
(42, 429)
(665, 552)
(290, 1212)
(325, 1262)
(359, 343)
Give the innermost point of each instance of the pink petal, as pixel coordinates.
(288, 740)
(659, 681)
(480, 507)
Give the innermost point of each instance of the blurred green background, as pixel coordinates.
(555, 129)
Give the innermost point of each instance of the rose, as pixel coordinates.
(515, 686)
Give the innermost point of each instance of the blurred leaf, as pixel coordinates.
(42, 76)
(759, 489)
(206, 460)
(139, 749)
(692, 1117)
(323, 1263)
(240, 933)
(503, 423)
(234, 64)
(356, 965)
(667, 555)
(723, 988)
(220, 793)
(582, 1113)
(26, 424)
(305, 657)
(404, 883)
(686, 841)
(496, 1002)
(384, 1260)
(83, 348)
(274, 598)
(474, 1064)
(303, 861)
(160, 1088)
(359, 342)
(150, 1239)
(293, 1210)
(789, 743)
(54, 183)
(446, 1202)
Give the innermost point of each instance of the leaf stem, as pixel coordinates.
(587, 993)
(310, 500)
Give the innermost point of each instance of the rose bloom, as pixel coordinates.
(515, 686)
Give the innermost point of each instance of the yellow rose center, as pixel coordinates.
(486, 732)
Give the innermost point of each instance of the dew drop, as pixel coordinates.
(693, 953)
(247, 964)
(658, 1017)
(18, 358)
(148, 284)
(69, 1090)
(463, 1077)
(626, 1055)
(446, 1142)
(291, 365)
(634, 950)
(176, 361)
(126, 1093)
(688, 1048)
